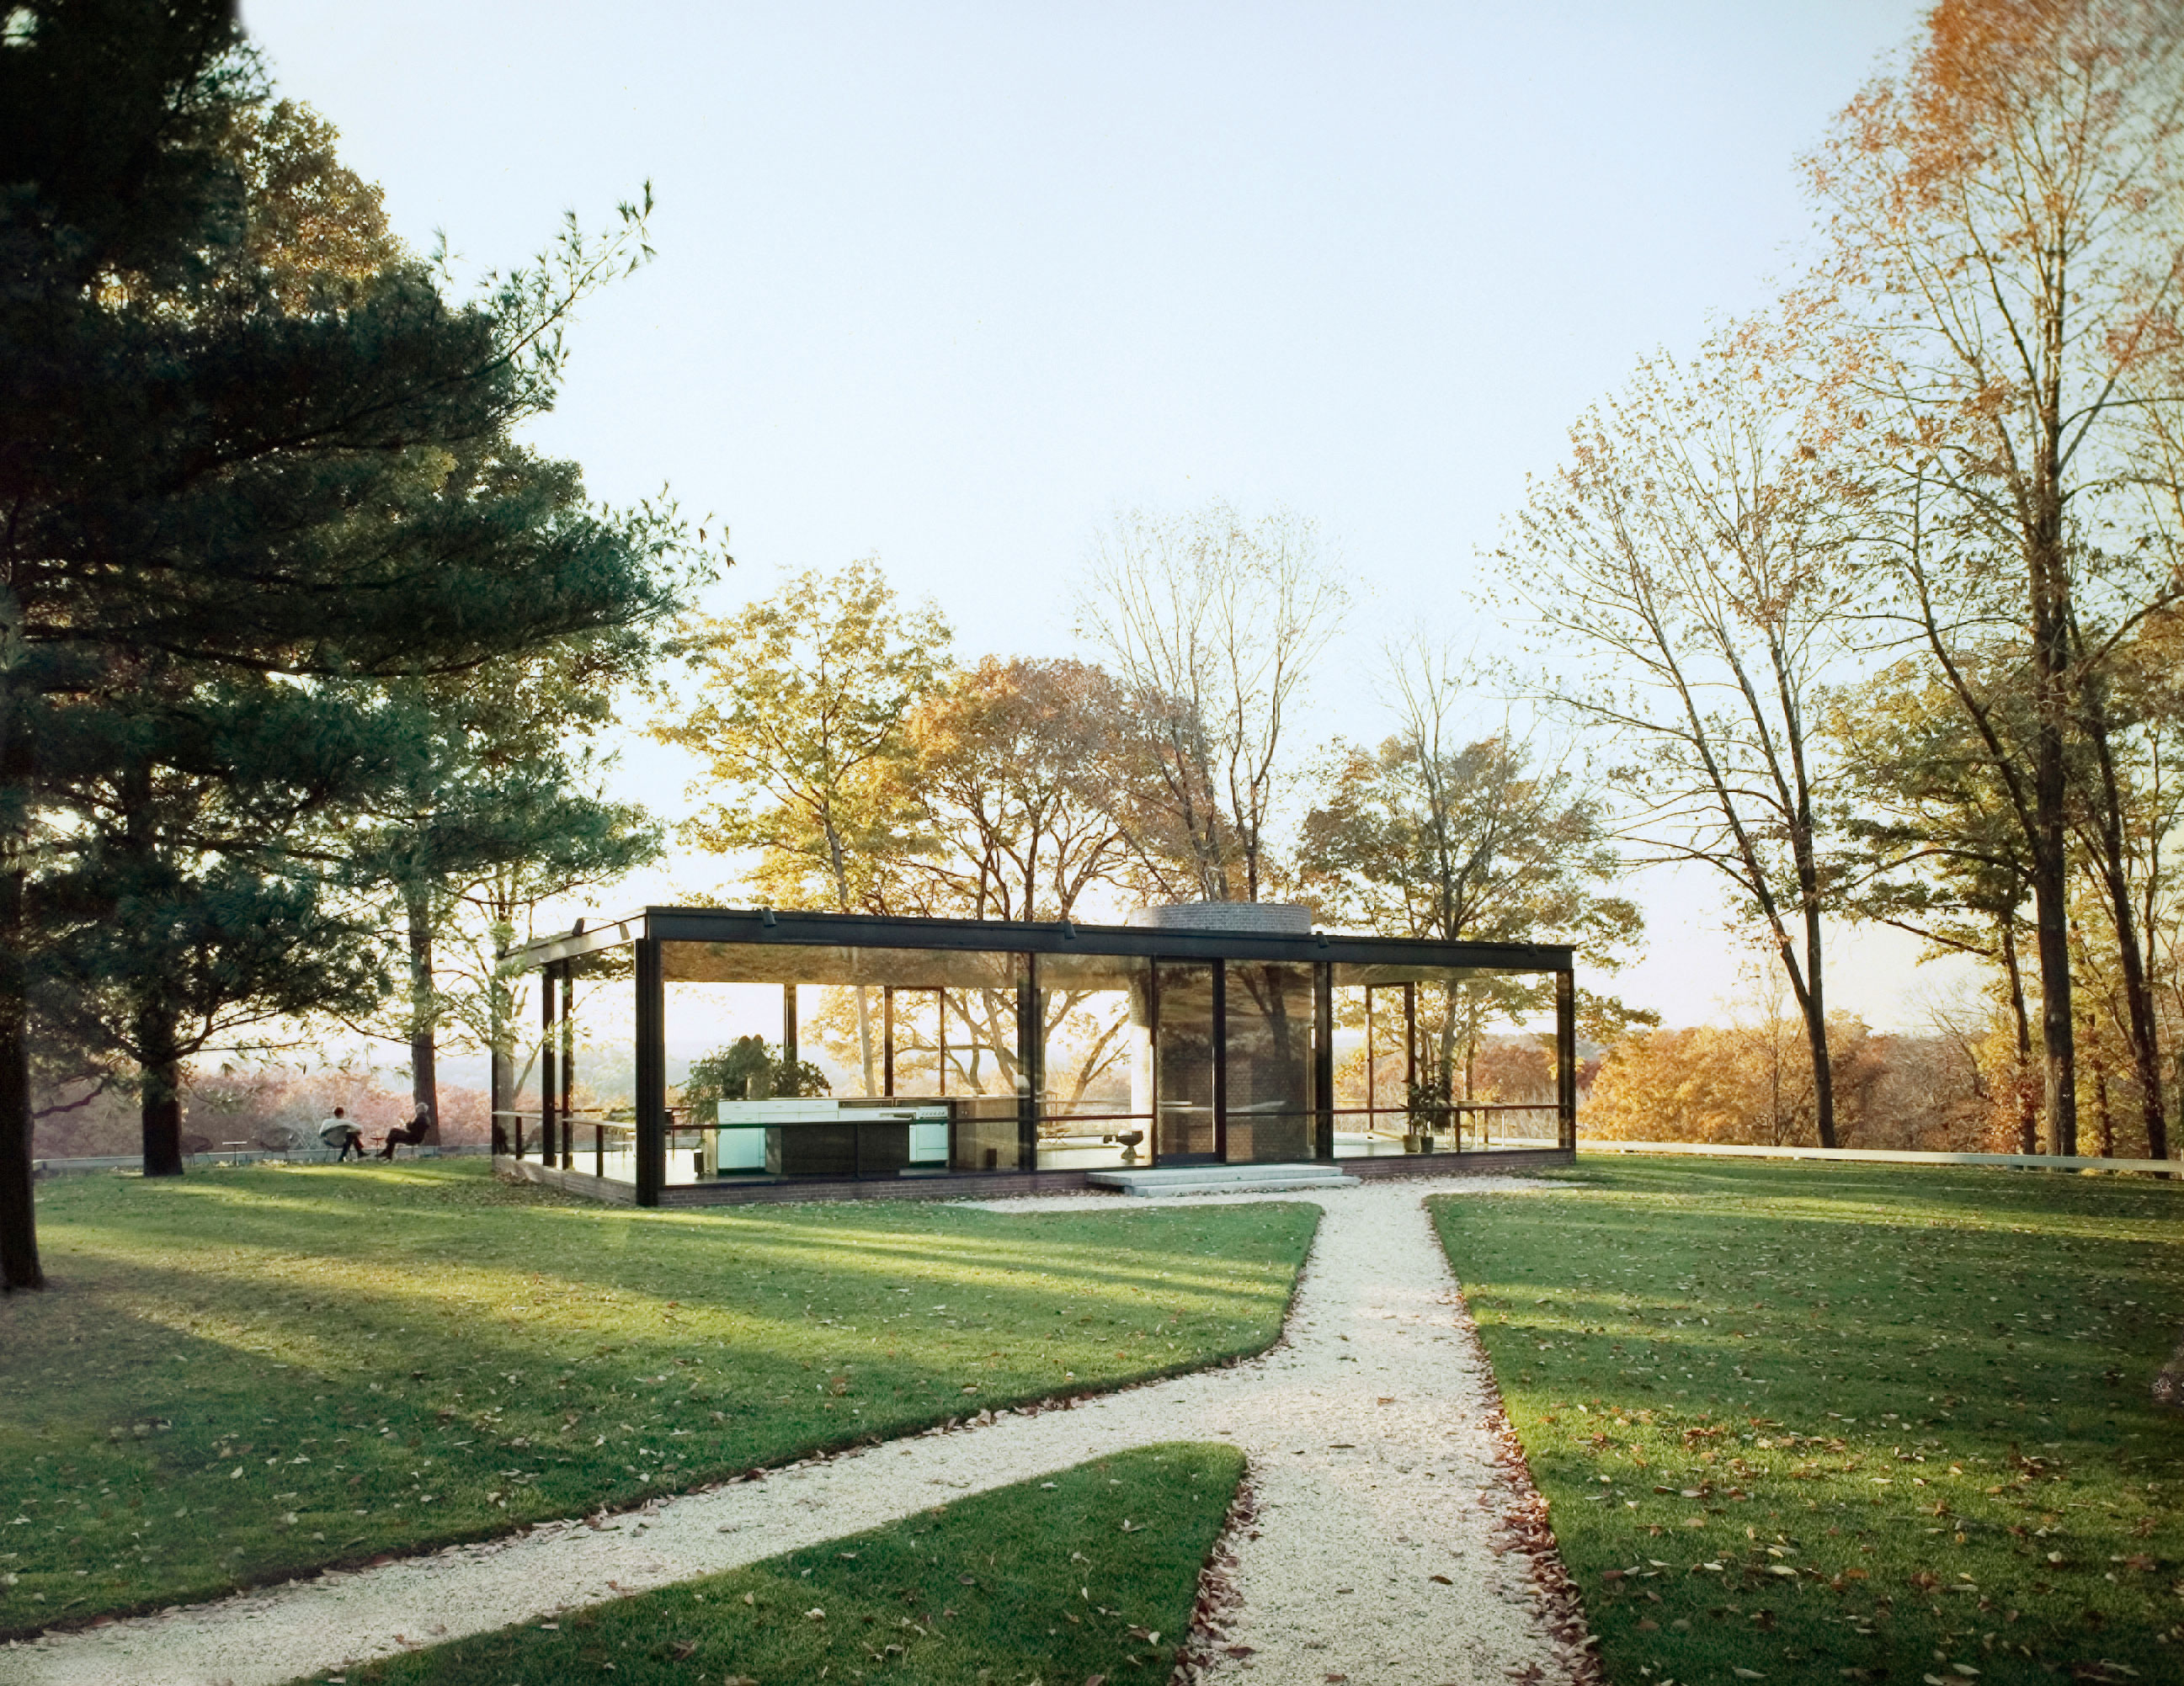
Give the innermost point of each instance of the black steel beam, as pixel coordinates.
(809, 930)
(651, 1074)
(1323, 1061)
(1565, 1058)
(1031, 1063)
(1221, 1061)
(550, 1093)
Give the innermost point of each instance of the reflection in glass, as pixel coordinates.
(1091, 1018)
(1269, 1051)
(1182, 1066)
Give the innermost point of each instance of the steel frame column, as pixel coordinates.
(1372, 1071)
(651, 1072)
(887, 1040)
(1153, 1078)
(1322, 1060)
(567, 1067)
(1410, 1054)
(1565, 1058)
(788, 1061)
(496, 1115)
(548, 1093)
(1031, 1063)
(1221, 1061)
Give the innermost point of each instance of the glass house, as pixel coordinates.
(924, 1056)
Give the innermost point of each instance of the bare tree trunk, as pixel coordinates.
(2096, 1064)
(18, 1214)
(160, 1100)
(838, 861)
(2141, 1022)
(2051, 916)
(2028, 1115)
(424, 1042)
(1816, 1021)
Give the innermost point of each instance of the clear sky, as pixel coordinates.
(949, 283)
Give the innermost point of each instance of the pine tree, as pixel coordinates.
(193, 469)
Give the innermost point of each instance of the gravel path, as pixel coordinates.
(1373, 1555)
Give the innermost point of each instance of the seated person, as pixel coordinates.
(414, 1133)
(338, 1132)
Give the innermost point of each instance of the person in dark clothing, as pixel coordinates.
(410, 1136)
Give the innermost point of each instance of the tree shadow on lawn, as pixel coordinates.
(457, 1394)
(1790, 1420)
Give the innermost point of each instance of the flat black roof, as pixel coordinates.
(787, 929)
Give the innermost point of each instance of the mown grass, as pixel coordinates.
(1799, 1423)
(1088, 1574)
(251, 1374)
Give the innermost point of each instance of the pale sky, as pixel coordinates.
(948, 284)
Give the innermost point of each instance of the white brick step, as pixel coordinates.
(1220, 1179)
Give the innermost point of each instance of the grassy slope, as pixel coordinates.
(253, 1374)
(1034, 1582)
(1923, 1392)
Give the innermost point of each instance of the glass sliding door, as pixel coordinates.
(1268, 1045)
(1185, 1052)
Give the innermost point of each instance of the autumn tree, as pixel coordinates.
(1683, 565)
(797, 708)
(2006, 249)
(1437, 834)
(1933, 847)
(1210, 622)
(1012, 774)
(1013, 767)
(1750, 1082)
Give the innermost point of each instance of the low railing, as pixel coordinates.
(1461, 1127)
(2157, 1168)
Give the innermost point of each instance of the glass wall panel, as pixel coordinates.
(596, 1066)
(840, 1061)
(1183, 1056)
(517, 1038)
(1441, 1059)
(1096, 1030)
(1269, 1008)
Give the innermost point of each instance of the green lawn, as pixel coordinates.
(1804, 1423)
(250, 1374)
(1088, 1574)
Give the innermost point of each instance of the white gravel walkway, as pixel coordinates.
(1372, 1557)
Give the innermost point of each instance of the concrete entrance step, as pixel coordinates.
(1220, 1179)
